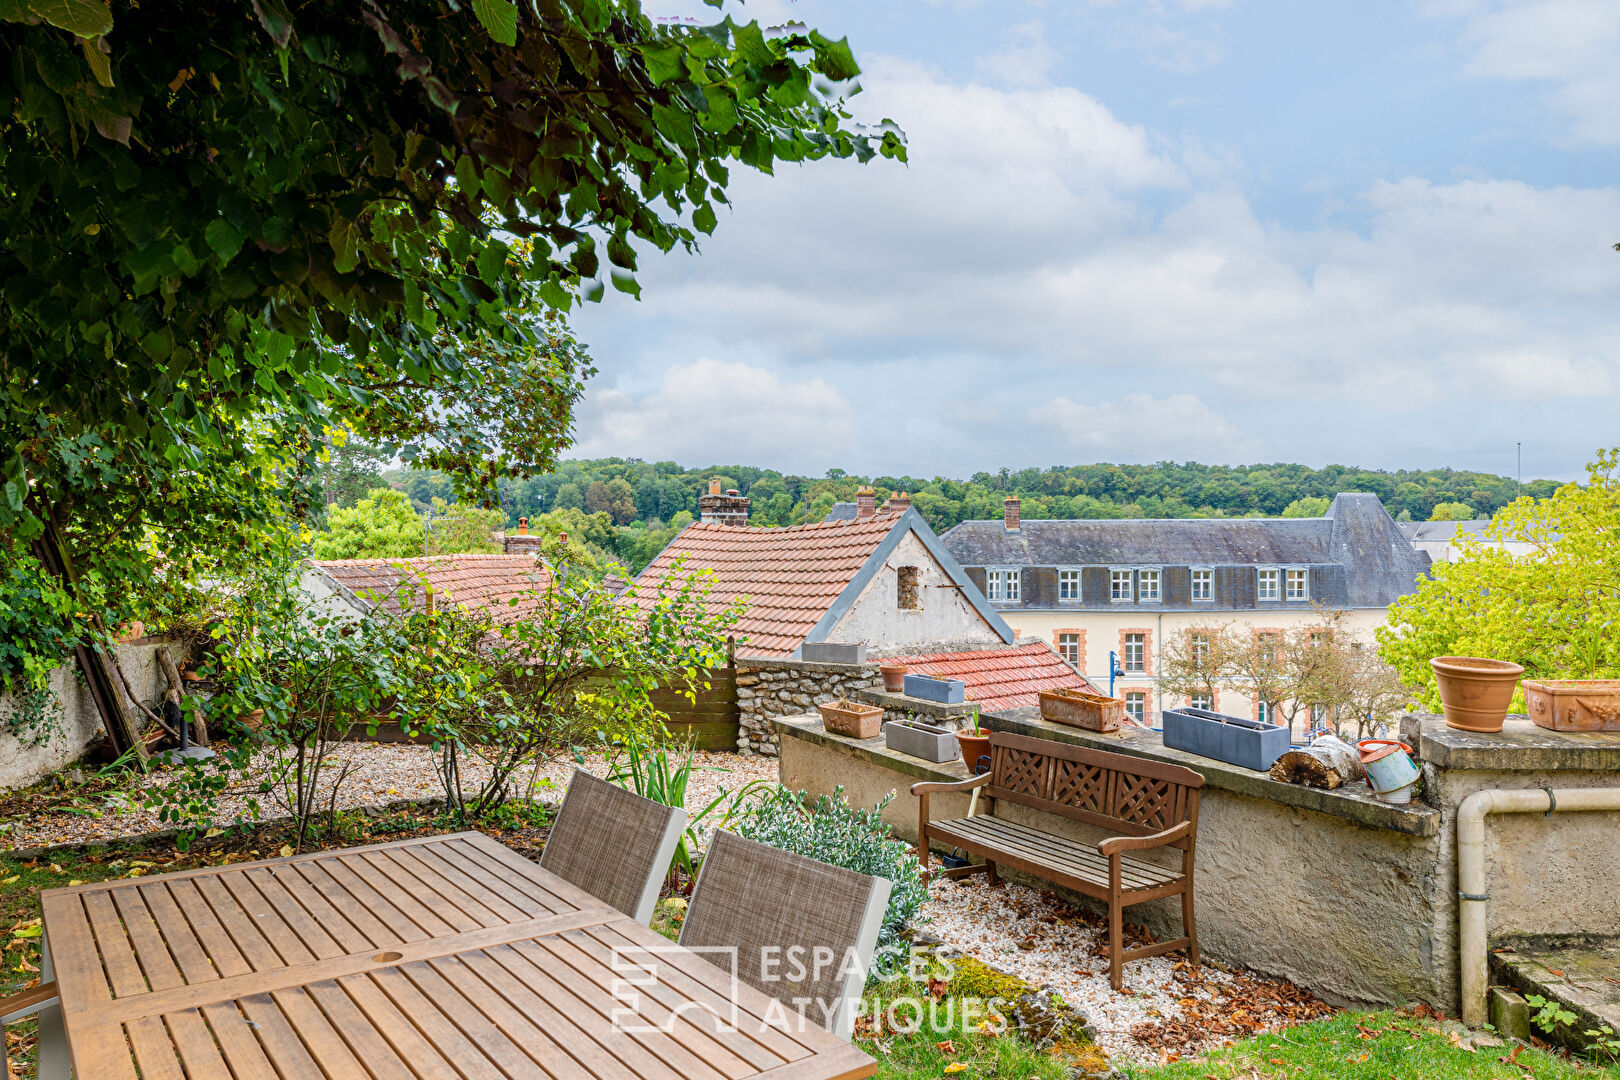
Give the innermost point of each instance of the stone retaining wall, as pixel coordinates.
(769, 687)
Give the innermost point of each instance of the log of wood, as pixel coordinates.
(199, 727)
(1326, 763)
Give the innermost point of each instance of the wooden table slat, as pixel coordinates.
(366, 1042)
(503, 877)
(299, 922)
(244, 934)
(503, 909)
(465, 1049)
(72, 946)
(320, 1039)
(117, 953)
(402, 1035)
(193, 1043)
(281, 1043)
(481, 913)
(408, 907)
(535, 1042)
(222, 952)
(333, 922)
(177, 933)
(270, 922)
(342, 900)
(442, 907)
(238, 1042)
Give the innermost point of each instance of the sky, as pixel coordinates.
(1229, 231)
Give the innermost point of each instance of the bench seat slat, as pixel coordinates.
(1061, 853)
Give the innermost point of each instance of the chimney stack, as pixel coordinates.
(523, 526)
(730, 508)
(1009, 507)
(865, 503)
(899, 502)
(522, 542)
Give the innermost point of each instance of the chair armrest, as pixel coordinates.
(26, 1002)
(928, 787)
(1115, 844)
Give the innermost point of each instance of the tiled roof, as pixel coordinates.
(1003, 678)
(789, 576)
(466, 580)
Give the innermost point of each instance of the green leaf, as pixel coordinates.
(751, 44)
(345, 239)
(97, 59)
(625, 282)
(492, 262)
(499, 18)
(665, 62)
(620, 253)
(835, 58)
(224, 238)
(703, 218)
(86, 18)
(277, 22)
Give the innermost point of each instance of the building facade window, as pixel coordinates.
(1299, 584)
(1147, 586)
(1136, 705)
(1003, 584)
(1198, 646)
(1119, 590)
(1266, 583)
(1200, 701)
(907, 594)
(1068, 584)
(1269, 643)
(1203, 584)
(1263, 712)
(1135, 658)
(1069, 648)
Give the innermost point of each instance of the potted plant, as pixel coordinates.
(894, 676)
(1475, 691)
(975, 743)
(851, 718)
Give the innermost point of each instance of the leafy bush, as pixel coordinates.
(835, 832)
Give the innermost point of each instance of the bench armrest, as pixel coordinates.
(928, 787)
(1116, 844)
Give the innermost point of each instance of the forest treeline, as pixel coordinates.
(635, 506)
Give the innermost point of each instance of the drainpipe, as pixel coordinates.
(1471, 870)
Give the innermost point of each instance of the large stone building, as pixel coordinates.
(1105, 593)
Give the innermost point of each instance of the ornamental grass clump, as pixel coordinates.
(833, 831)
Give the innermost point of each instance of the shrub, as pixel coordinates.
(835, 832)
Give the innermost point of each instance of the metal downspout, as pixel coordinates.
(1471, 894)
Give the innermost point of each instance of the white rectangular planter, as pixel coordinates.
(827, 652)
(921, 740)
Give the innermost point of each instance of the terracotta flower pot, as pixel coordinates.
(894, 677)
(1475, 692)
(973, 748)
(852, 719)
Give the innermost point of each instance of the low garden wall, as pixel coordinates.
(36, 742)
(768, 688)
(1351, 897)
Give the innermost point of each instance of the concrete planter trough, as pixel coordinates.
(1232, 739)
(827, 652)
(921, 740)
(944, 691)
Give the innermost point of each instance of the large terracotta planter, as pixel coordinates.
(1573, 704)
(1093, 712)
(852, 719)
(973, 748)
(1475, 691)
(894, 677)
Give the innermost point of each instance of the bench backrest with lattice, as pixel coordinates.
(1128, 795)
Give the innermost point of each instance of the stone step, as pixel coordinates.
(1580, 974)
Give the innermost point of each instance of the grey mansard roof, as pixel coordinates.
(1357, 534)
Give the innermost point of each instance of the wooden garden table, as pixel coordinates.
(447, 956)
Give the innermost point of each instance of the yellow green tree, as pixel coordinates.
(383, 525)
(1553, 607)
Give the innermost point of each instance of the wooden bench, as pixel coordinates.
(1151, 803)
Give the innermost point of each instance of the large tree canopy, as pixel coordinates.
(229, 227)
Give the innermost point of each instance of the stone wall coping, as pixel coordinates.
(1351, 803)
(920, 706)
(808, 727)
(781, 663)
(1520, 746)
(1365, 810)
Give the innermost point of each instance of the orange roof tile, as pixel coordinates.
(789, 576)
(1003, 678)
(466, 580)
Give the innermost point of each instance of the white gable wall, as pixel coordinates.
(945, 617)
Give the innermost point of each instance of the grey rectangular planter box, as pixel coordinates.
(944, 691)
(826, 652)
(921, 740)
(1232, 739)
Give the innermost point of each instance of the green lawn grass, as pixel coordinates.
(950, 1042)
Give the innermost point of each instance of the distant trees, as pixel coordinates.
(1309, 507)
(383, 525)
(458, 529)
(1452, 511)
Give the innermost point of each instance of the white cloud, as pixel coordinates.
(1025, 60)
(1568, 44)
(1140, 427)
(708, 410)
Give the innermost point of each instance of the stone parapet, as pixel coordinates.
(768, 687)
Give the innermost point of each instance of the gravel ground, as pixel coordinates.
(1034, 936)
(379, 773)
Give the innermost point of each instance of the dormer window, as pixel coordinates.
(1003, 585)
(1203, 585)
(1147, 586)
(1299, 584)
(1068, 584)
(1267, 583)
(1119, 587)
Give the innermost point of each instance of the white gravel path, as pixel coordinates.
(380, 773)
(988, 924)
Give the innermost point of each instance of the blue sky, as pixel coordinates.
(1221, 230)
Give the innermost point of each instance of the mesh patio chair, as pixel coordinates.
(613, 843)
(51, 1054)
(804, 932)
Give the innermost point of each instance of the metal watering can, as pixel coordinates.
(1390, 769)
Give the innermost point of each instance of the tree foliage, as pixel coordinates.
(1451, 511)
(460, 529)
(232, 228)
(1555, 608)
(381, 526)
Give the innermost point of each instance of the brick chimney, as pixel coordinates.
(1009, 509)
(865, 503)
(523, 526)
(898, 502)
(728, 508)
(522, 542)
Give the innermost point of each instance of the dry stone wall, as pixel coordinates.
(768, 687)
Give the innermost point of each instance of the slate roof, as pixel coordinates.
(1441, 530)
(1378, 563)
(841, 512)
(1003, 678)
(790, 576)
(466, 580)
